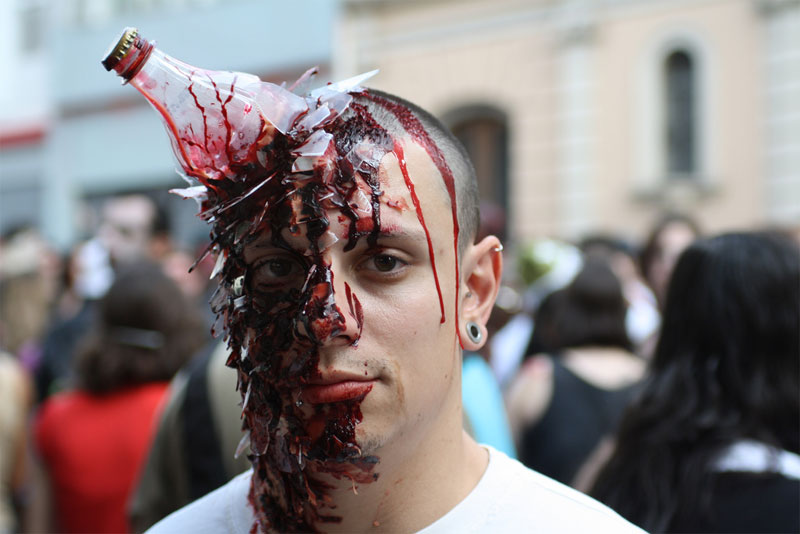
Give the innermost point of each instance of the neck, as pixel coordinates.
(446, 462)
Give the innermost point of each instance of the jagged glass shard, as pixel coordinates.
(244, 443)
(300, 87)
(348, 84)
(316, 144)
(327, 240)
(197, 192)
(220, 264)
(313, 120)
(279, 106)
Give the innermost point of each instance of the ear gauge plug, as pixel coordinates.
(474, 332)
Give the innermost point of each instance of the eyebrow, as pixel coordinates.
(389, 232)
(392, 232)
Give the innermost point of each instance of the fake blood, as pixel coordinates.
(417, 130)
(398, 150)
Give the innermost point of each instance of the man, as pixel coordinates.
(134, 226)
(349, 285)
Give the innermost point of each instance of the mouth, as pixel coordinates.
(337, 391)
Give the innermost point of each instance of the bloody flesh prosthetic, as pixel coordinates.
(271, 163)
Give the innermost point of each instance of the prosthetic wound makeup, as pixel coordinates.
(271, 167)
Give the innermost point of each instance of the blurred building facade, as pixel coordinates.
(602, 113)
(580, 114)
(85, 137)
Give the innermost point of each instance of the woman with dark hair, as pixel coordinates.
(670, 235)
(93, 440)
(712, 443)
(578, 376)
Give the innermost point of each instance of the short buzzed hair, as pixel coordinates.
(456, 156)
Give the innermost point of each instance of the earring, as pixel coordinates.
(474, 332)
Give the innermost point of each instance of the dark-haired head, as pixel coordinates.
(146, 330)
(669, 236)
(726, 368)
(589, 312)
(732, 325)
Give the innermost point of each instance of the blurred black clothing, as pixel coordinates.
(61, 343)
(743, 502)
(578, 417)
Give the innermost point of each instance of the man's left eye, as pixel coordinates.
(385, 263)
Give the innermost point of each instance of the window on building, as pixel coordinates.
(680, 95)
(31, 18)
(484, 133)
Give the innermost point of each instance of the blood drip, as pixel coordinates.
(417, 131)
(398, 150)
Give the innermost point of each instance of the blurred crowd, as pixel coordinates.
(90, 342)
(659, 376)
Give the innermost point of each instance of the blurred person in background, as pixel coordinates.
(133, 228)
(194, 280)
(712, 442)
(28, 284)
(578, 377)
(92, 441)
(671, 234)
(15, 402)
(89, 275)
(642, 318)
(192, 452)
(544, 265)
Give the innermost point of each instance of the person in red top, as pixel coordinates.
(93, 440)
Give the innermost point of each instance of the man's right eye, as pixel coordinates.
(281, 270)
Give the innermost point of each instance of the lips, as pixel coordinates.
(337, 391)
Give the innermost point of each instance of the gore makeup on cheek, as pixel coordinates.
(263, 160)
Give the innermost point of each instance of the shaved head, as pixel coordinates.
(455, 155)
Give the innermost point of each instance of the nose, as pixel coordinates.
(324, 321)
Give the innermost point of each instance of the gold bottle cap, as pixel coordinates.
(118, 50)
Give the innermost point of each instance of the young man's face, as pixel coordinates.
(377, 323)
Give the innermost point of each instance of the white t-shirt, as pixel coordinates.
(508, 498)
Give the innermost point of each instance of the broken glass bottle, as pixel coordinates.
(216, 120)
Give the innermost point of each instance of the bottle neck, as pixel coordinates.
(135, 58)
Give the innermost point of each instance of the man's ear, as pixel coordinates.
(482, 267)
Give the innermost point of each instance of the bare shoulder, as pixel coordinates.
(530, 392)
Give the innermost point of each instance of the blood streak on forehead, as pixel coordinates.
(417, 131)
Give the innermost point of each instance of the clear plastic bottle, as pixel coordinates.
(216, 120)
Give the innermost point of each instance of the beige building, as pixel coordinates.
(587, 115)
(581, 115)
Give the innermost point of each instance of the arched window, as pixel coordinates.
(484, 133)
(679, 92)
(673, 129)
